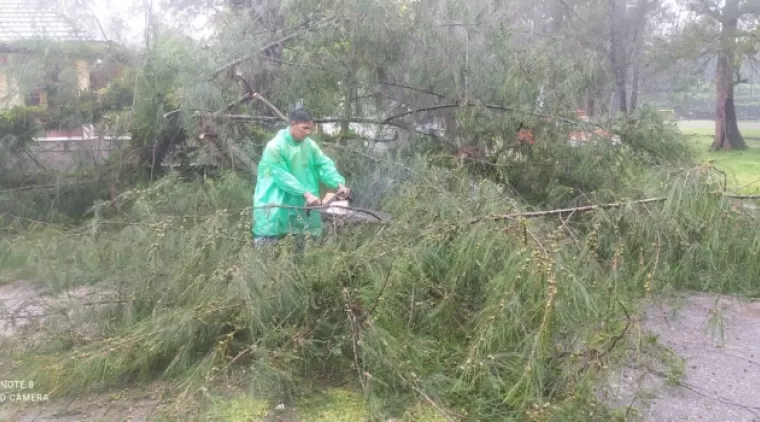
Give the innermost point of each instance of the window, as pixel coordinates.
(32, 99)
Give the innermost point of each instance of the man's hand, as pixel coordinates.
(343, 192)
(311, 200)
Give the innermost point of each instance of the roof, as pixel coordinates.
(35, 20)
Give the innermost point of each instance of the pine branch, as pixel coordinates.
(488, 106)
(271, 106)
(411, 88)
(261, 50)
(244, 117)
(369, 313)
(240, 101)
(403, 126)
(268, 46)
(586, 208)
(620, 336)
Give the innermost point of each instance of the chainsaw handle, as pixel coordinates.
(331, 200)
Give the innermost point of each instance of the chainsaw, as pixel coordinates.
(330, 198)
(339, 208)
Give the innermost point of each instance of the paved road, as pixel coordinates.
(718, 339)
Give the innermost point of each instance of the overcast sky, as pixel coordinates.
(133, 13)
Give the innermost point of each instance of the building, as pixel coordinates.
(25, 25)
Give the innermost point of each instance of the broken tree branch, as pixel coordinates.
(249, 95)
(244, 117)
(488, 106)
(271, 107)
(586, 208)
(620, 336)
(399, 125)
(240, 101)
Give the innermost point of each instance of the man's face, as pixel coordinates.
(300, 130)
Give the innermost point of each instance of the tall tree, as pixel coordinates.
(729, 23)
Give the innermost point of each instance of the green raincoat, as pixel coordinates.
(287, 170)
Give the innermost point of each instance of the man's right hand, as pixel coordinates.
(311, 200)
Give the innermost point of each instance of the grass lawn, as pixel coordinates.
(742, 167)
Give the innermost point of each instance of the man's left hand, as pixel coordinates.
(343, 192)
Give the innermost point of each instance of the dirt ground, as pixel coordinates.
(97, 408)
(27, 307)
(712, 375)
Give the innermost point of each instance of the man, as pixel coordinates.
(291, 169)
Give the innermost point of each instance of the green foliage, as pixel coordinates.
(453, 304)
(54, 69)
(119, 93)
(18, 125)
(238, 409)
(55, 200)
(338, 405)
(167, 81)
(554, 173)
(489, 318)
(742, 167)
(654, 140)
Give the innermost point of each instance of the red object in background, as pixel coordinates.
(53, 133)
(525, 135)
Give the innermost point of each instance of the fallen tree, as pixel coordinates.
(467, 301)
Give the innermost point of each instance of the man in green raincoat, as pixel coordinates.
(289, 173)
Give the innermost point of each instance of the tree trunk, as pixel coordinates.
(642, 9)
(590, 103)
(450, 123)
(456, 54)
(345, 123)
(617, 60)
(727, 135)
(349, 90)
(153, 157)
(635, 83)
(621, 91)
